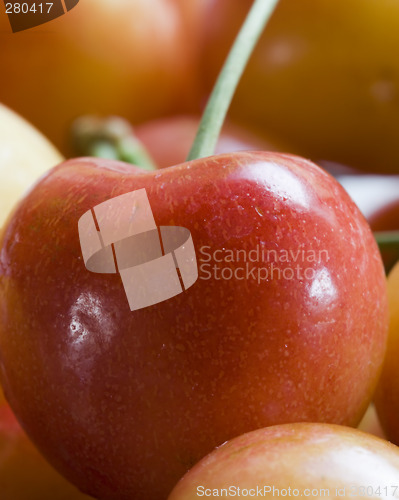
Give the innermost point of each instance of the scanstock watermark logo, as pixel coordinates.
(27, 14)
(121, 236)
(158, 263)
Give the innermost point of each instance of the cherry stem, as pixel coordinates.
(229, 77)
(112, 138)
(387, 240)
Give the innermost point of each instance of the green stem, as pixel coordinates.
(100, 149)
(387, 240)
(226, 84)
(111, 138)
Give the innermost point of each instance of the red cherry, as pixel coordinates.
(124, 402)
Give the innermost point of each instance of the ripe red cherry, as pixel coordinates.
(124, 402)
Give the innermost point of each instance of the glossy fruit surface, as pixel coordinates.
(132, 399)
(132, 58)
(324, 77)
(387, 395)
(25, 155)
(316, 460)
(24, 473)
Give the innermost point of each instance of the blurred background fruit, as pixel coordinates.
(387, 395)
(169, 140)
(135, 58)
(325, 77)
(24, 156)
(323, 80)
(377, 196)
(166, 140)
(370, 423)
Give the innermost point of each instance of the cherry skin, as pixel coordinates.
(124, 402)
(302, 457)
